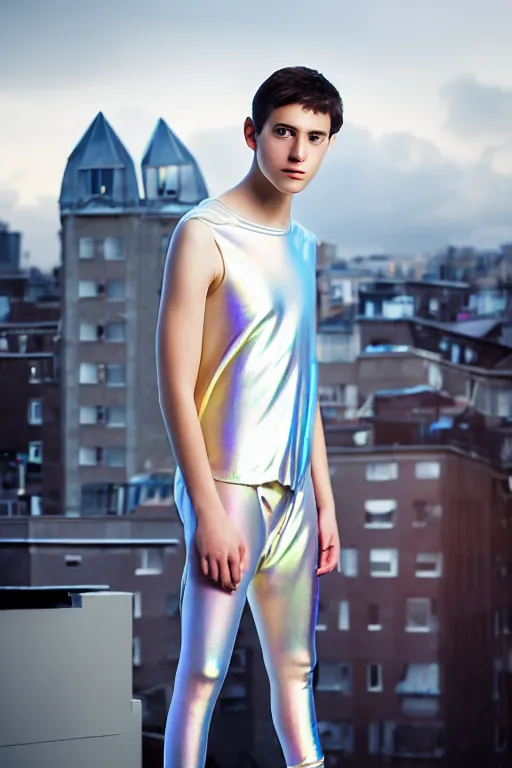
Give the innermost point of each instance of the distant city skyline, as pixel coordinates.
(425, 157)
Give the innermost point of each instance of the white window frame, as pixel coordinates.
(137, 662)
(83, 378)
(380, 555)
(145, 556)
(381, 471)
(35, 412)
(380, 685)
(113, 424)
(86, 248)
(377, 508)
(349, 556)
(88, 289)
(436, 557)
(35, 451)
(137, 605)
(374, 627)
(83, 453)
(411, 602)
(344, 616)
(427, 470)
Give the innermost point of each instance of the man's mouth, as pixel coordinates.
(294, 173)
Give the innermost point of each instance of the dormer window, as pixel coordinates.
(167, 181)
(102, 181)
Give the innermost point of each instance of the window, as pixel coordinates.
(150, 561)
(88, 373)
(101, 181)
(113, 249)
(379, 514)
(425, 512)
(384, 562)
(429, 565)
(114, 457)
(86, 248)
(115, 375)
(88, 332)
(344, 615)
(336, 736)
(87, 289)
(115, 290)
(22, 340)
(137, 605)
(349, 562)
(374, 617)
(381, 471)
(4, 344)
(420, 706)
(172, 604)
(116, 417)
(136, 652)
(420, 615)
(35, 452)
(88, 414)
(334, 676)
(374, 737)
(35, 412)
(73, 561)
(322, 618)
(374, 677)
(238, 661)
(233, 697)
(420, 679)
(87, 457)
(116, 331)
(427, 470)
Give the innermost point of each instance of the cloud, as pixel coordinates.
(39, 225)
(394, 193)
(475, 109)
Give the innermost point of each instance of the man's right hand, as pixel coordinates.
(222, 551)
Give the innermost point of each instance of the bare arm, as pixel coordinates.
(193, 267)
(329, 539)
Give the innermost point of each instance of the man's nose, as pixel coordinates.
(298, 152)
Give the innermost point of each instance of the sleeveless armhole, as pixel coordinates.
(223, 275)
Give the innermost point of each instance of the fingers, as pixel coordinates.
(327, 561)
(234, 566)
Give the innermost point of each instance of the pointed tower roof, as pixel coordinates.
(100, 148)
(165, 150)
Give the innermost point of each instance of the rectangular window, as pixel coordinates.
(374, 738)
(150, 561)
(116, 375)
(336, 736)
(349, 562)
(88, 332)
(88, 373)
(35, 412)
(429, 565)
(426, 512)
(420, 679)
(419, 615)
(88, 414)
(115, 290)
(116, 417)
(137, 605)
(334, 676)
(87, 457)
(427, 470)
(379, 513)
(35, 452)
(116, 331)
(384, 562)
(114, 457)
(374, 617)
(86, 248)
(87, 289)
(374, 677)
(381, 471)
(420, 706)
(136, 652)
(344, 616)
(113, 249)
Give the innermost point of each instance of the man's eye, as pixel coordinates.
(282, 131)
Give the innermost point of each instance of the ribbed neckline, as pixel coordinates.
(254, 226)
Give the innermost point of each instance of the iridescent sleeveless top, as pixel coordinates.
(257, 383)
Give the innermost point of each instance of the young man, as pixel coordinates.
(238, 391)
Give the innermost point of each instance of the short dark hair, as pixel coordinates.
(297, 85)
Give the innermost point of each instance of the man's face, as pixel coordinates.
(291, 147)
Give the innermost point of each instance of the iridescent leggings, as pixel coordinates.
(280, 529)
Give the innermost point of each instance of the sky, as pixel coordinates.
(423, 160)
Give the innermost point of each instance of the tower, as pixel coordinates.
(113, 250)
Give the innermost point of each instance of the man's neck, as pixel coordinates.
(256, 199)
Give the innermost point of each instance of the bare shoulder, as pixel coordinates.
(193, 248)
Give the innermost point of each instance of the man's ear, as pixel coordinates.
(332, 139)
(250, 133)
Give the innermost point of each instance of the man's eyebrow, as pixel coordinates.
(293, 128)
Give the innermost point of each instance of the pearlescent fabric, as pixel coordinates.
(280, 527)
(257, 383)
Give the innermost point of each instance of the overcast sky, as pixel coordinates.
(425, 156)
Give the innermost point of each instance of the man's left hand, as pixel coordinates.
(328, 541)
